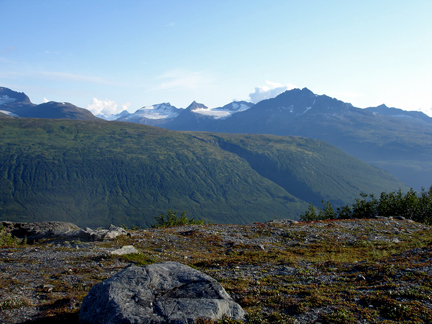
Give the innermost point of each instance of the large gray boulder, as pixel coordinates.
(167, 292)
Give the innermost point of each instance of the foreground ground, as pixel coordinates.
(347, 271)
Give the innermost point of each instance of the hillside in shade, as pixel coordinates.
(95, 173)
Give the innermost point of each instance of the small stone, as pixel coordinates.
(48, 287)
(127, 249)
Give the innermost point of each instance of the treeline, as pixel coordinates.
(410, 205)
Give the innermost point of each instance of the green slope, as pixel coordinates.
(94, 173)
(310, 169)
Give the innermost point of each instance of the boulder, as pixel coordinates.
(60, 230)
(168, 292)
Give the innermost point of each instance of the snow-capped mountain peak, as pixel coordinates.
(159, 111)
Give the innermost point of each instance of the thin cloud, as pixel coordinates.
(56, 76)
(179, 79)
(11, 74)
(7, 49)
(60, 76)
(271, 90)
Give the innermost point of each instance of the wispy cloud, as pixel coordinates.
(56, 76)
(7, 49)
(61, 76)
(271, 90)
(11, 74)
(179, 79)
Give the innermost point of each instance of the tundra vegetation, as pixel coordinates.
(356, 270)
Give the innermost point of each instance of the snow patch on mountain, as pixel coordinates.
(6, 99)
(212, 113)
(225, 111)
(160, 111)
(8, 113)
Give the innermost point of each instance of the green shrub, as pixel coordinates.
(410, 205)
(171, 219)
(6, 239)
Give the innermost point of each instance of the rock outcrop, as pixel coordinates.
(168, 292)
(61, 230)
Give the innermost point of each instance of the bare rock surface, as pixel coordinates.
(167, 292)
(63, 230)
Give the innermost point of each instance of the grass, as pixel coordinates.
(13, 303)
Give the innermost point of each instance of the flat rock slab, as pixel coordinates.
(168, 292)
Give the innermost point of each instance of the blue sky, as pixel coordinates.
(110, 55)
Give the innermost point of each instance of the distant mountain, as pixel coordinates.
(95, 173)
(402, 146)
(18, 104)
(8, 96)
(152, 115)
(110, 117)
(161, 114)
(203, 117)
(396, 112)
(393, 139)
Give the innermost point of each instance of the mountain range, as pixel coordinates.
(395, 140)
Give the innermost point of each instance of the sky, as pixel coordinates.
(111, 55)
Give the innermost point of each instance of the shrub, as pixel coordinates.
(6, 239)
(171, 219)
(409, 205)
